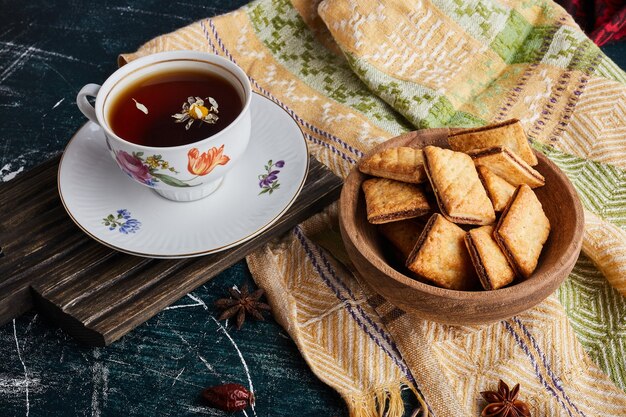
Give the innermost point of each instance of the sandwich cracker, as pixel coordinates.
(389, 200)
(491, 265)
(402, 234)
(459, 192)
(440, 256)
(498, 190)
(522, 231)
(509, 133)
(402, 164)
(506, 164)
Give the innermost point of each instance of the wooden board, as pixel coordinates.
(95, 293)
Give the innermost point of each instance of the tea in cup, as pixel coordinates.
(176, 122)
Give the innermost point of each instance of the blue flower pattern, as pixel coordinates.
(123, 222)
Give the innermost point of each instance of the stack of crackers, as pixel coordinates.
(486, 226)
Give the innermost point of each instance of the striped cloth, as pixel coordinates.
(353, 73)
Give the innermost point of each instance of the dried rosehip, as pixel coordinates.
(228, 397)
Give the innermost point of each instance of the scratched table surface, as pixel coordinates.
(48, 50)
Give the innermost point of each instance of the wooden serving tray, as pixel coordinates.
(93, 292)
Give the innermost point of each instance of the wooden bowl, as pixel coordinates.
(366, 249)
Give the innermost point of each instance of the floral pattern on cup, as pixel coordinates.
(268, 182)
(123, 222)
(149, 170)
(134, 167)
(201, 164)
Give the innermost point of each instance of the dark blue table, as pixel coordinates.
(48, 50)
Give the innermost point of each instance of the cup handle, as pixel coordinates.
(90, 90)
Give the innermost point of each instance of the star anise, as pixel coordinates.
(242, 303)
(504, 402)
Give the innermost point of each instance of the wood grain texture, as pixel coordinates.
(96, 293)
(366, 250)
(49, 50)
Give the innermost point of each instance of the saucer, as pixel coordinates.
(131, 218)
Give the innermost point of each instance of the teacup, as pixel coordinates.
(185, 172)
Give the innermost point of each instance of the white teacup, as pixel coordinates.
(184, 173)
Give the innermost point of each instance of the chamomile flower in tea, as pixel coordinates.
(194, 109)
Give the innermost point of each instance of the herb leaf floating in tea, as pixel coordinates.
(504, 402)
(194, 109)
(141, 106)
(242, 303)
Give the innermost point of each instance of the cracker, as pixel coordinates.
(491, 265)
(498, 190)
(459, 192)
(522, 231)
(389, 200)
(402, 164)
(440, 256)
(509, 133)
(402, 235)
(506, 164)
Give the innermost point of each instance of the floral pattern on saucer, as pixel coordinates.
(123, 222)
(268, 182)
